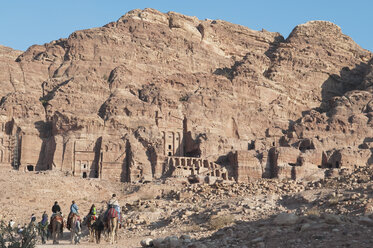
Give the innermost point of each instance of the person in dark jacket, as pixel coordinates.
(56, 208)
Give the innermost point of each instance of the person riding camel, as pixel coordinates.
(56, 208)
(92, 212)
(74, 208)
(73, 212)
(113, 203)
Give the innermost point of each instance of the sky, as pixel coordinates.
(27, 22)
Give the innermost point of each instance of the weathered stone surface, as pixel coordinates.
(146, 242)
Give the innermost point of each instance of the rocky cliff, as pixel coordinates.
(118, 100)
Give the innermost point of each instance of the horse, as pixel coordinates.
(56, 227)
(75, 229)
(112, 224)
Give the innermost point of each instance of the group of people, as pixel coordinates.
(74, 209)
(19, 229)
(43, 225)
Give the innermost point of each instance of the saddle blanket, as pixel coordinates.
(112, 213)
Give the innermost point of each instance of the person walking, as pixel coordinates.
(43, 227)
(11, 223)
(32, 219)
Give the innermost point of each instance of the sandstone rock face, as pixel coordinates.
(117, 102)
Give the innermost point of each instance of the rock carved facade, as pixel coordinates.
(163, 94)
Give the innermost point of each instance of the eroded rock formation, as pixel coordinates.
(132, 100)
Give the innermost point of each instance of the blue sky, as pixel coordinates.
(27, 22)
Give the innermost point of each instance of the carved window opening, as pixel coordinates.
(169, 146)
(84, 174)
(251, 145)
(205, 164)
(30, 167)
(169, 154)
(336, 164)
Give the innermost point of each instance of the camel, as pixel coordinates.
(112, 225)
(57, 227)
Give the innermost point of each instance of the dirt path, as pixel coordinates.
(84, 243)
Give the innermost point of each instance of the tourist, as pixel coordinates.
(113, 203)
(73, 212)
(11, 223)
(33, 219)
(44, 218)
(43, 227)
(19, 229)
(74, 208)
(92, 211)
(56, 208)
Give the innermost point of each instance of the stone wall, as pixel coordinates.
(246, 165)
(188, 166)
(291, 163)
(114, 164)
(31, 153)
(6, 148)
(349, 158)
(171, 125)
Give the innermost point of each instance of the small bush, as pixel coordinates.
(184, 98)
(192, 228)
(334, 201)
(220, 221)
(313, 212)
